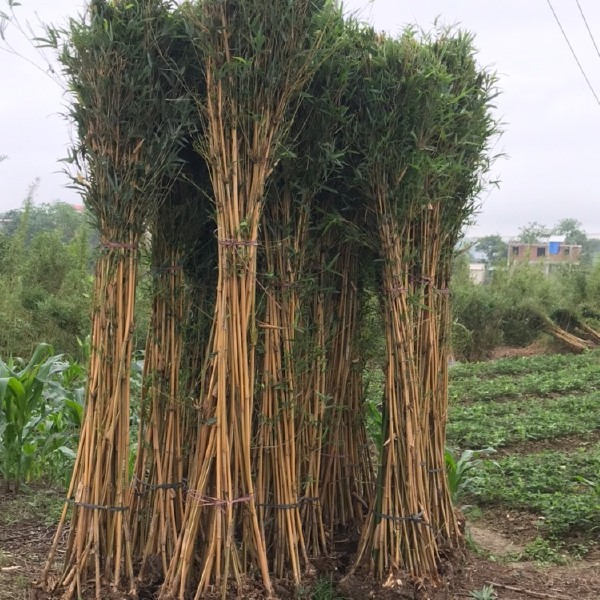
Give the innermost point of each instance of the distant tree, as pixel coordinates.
(571, 228)
(533, 233)
(494, 248)
(58, 217)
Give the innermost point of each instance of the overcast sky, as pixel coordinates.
(552, 120)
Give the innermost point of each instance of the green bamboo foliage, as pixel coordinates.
(128, 136)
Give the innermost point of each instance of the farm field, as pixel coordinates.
(532, 505)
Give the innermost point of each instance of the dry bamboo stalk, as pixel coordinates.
(156, 493)
(346, 473)
(278, 487)
(101, 474)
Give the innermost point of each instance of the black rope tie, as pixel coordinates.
(418, 518)
(97, 506)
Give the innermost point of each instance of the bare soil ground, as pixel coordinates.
(497, 542)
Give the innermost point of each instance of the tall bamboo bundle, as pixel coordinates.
(275, 462)
(311, 412)
(346, 469)
(316, 148)
(412, 175)
(454, 172)
(156, 493)
(113, 63)
(256, 61)
(398, 534)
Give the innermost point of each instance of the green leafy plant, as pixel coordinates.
(485, 593)
(41, 410)
(21, 403)
(548, 484)
(544, 551)
(459, 470)
(508, 422)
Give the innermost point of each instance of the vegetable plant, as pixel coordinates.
(22, 409)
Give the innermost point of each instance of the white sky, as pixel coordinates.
(552, 121)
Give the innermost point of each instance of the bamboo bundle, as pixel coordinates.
(277, 483)
(113, 62)
(156, 492)
(311, 418)
(572, 342)
(422, 192)
(398, 533)
(454, 174)
(255, 63)
(346, 472)
(320, 164)
(573, 324)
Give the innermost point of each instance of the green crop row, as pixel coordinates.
(575, 378)
(499, 424)
(563, 489)
(523, 365)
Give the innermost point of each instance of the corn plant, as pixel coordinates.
(458, 469)
(22, 409)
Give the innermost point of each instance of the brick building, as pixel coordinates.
(553, 251)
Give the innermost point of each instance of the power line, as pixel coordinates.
(588, 27)
(573, 52)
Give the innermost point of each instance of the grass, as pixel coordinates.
(322, 589)
(33, 503)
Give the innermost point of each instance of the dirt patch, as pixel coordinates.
(26, 532)
(537, 348)
(493, 542)
(518, 527)
(514, 581)
(567, 444)
(25, 541)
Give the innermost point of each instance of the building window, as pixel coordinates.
(541, 251)
(567, 251)
(515, 250)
